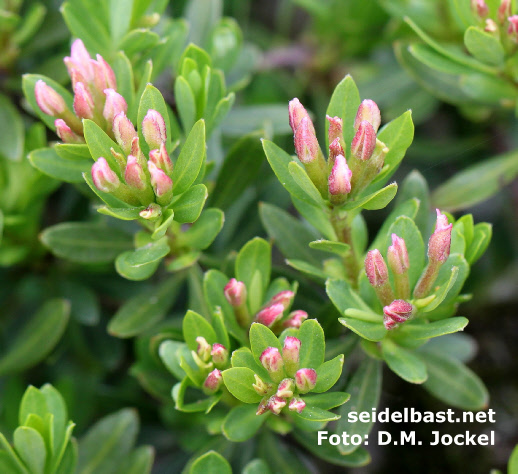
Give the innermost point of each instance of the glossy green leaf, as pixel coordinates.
(210, 463)
(313, 344)
(125, 213)
(203, 232)
(406, 364)
(261, 338)
(188, 207)
(337, 248)
(316, 414)
(141, 263)
(302, 179)
(377, 200)
(484, 46)
(30, 446)
(443, 291)
(488, 89)
(50, 163)
(195, 326)
(244, 119)
(327, 401)
(242, 423)
(343, 296)
(239, 381)
(12, 132)
(328, 374)
(481, 238)
(152, 99)
(100, 144)
(435, 329)
(257, 466)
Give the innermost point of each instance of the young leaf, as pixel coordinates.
(302, 179)
(239, 381)
(328, 374)
(203, 232)
(188, 207)
(195, 325)
(261, 338)
(327, 401)
(100, 144)
(484, 46)
(435, 329)
(337, 248)
(316, 414)
(313, 344)
(241, 423)
(374, 201)
(141, 263)
(30, 446)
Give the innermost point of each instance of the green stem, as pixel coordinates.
(428, 277)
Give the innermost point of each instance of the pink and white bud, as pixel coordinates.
(368, 111)
(84, 106)
(219, 355)
(270, 315)
(235, 292)
(48, 100)
(398, 310)
(124, 132)
(376, 268)
(398, 255)
(203, 349)
(114, 104)
(276, 404)
(162, 184)
(479, 8)
(161, 159)
(262, 408)
(153, 129)
(153, 211)
(306, 143)
(335, 149)
(296, 113)
(440, 241)
(306, 379)
(103, 176)
(291, 350)
(297, 404)
(65, 133)
(260, 386)
(335, 131)
(80, 56)
(295, 319)
(213, 382)
(271, 360)
(339, 181)
(134, 174)
(491, 26)
(364, 141)
(284, 297)
(513, 27)
(104, 77)
(285, 388)
(504, 11)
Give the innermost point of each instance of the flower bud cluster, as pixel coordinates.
(211, 360)
(503, 25)
(337, 179)
(289, 381)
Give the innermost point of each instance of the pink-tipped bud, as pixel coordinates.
(65, 133)
(284, 297)
(479, 8)
(260, 386)
(295, 319)
(153, 211)
(161, 159)
(335, 149)
(114, 104)
(440, 241)
(203, 349)
(162, 184)
(376, 268)
(103, 176)
(296, 112)
(491, 26)
(271, 360)
(262, 408)
(235, 292)
(513, 27)
(339, 181)
(219, 355)
(134, 174)
(124, 132)
(213, 382)
(398, 255)
(104, 77)
(276, 404)
(153, 129)
(270, 315)
(306, 379)
(83, 102)
(396, 312)
(306, 143)
(48, 100)
(297, 404)
(291, 350)
(368, 111)
(285, 388)
(364, 142)
(81, 58)
(335, 129)
(504, 11)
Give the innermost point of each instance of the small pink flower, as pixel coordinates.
(114, 104)
(335, 129)
(124, 132)
(285, 388)
(271, 360)
(276, 404)
(364, 141)
(398, 255)
(284, 297)
(219, 354)
(83, 102)
(296, 113)
(270, 315)
(103, 176)
(306, 379)
(397, 312)
(134, 174)
(235, 292)
(297, 404)
(213, 382)
(306, 143)
(295, 319)
(162, 184)
(161, 159)
(440, 241)
(66, 134)
(368, 111)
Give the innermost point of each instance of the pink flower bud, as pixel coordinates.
(368, 111)
(491, 26)
(261, 387)
(339, 180)
(376, 268)
(480, 8)
(513, 27)
(504, 11)
(114, 104)
(335, 149)
(65, 133)
(153, 129)
(335, 129)
(297, 112)
(364, 141)
(271, 360)
(297, 404)
(103, 176)
(162, 184)
(235, 292)
(440, 240)
(104, 77)
(79, 61)
(134, 174)
(219, 354)
(48, 100)
(291, 350)
(213, 382)
(285, 388)
(270, 315)
(124, 132)
(284, 297)
(306, 143)
(262, 408)
(203, 350)
(83, 102)
(398, 256)
(295, 319)
(306, 379)
(398, 310)
(276, 404)
(161, 159)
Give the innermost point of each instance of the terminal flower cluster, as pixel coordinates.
(211, 360)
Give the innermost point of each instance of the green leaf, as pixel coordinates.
(512, 466)
(431, 58)
(488, 89)
(107, 198)
(100, 144)
(365, 389)
(452, 382)
(316, 414)
(190, 161)
(204, 404)
(12, 131)
(50, 163)
(161, 230)
(261, 338)
(414, 192)
(239, 381)
(484, 46)
(257, 466)
(171, 353)
(141, 263)
(30, 446)
(343, 296)
(195, 325)
(313, 344)
(307, 268)
(374, 201)
(337, 248)
(186, 102)
(37, 338)
(327, 401)
(124, 213)
(442, 292)
(481, 237)
(241, 423)
(404, 363)
(302, 179)
(85, 242)
(210, 463)
(188, 207)
(140, 461)
(244, 119)
(435, 329)
(203, 232)
(328, 374)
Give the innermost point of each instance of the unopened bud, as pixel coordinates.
(235, 292)
(124, 132)
(153, 211)
(335, 149)
(513, 28)
(504, 11)
(104, 77)
(296, 112)
(480, 8)
(440, 241)
(219, 355)
(162, 184)
(262, 408)
(297, 404)
(260, 386)
(284, 297)
(364, 141)
(83, 102)
(291, 354)
(80, 60)
(376, 268)
(491, 26)
(114, 104)
(276, 404)
(306, 143)
(398, 255)
(161, 159)
(134, 174)
(203, 350)
(103, 176)
(285, 388)
(48, 100)
(153, 129)
(295, 319)
(397, 312)
(369, 111)
(65, 133)
(306, 379)
(270, 315)
(271, 360)
(339, 181)
(335, 131)
(213, 382)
